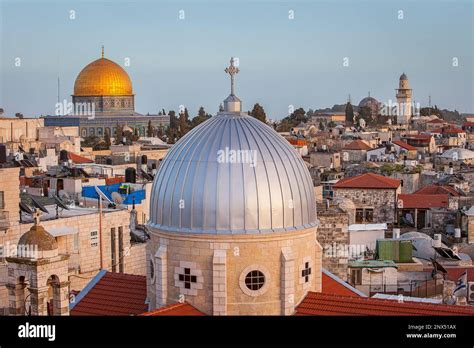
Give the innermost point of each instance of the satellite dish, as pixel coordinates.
(117, 198)
(39, 205)
(25, 208)
(60, 203)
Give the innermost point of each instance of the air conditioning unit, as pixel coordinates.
(470, 292)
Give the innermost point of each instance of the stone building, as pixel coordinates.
(333, 236)
(38, 282)
(233, 236)
(374, 197)
(355, 152)
(92, 241)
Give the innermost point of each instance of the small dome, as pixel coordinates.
(403, 77)
(371, 103)
(39, 238)
(103, 77)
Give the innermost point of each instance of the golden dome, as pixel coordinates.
(102, 77)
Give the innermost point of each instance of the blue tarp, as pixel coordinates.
(89, 192)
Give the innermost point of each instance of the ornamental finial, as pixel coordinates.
(102, 51)
(232, 70)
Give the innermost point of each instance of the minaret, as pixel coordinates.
(404, 94)
(232, 103)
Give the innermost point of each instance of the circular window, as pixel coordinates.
(254, 280)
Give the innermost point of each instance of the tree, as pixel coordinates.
(149, 130)
(107, 138)
(118, 134)
(259, 113)
(201, 117)
(183, 123)
(349, 113)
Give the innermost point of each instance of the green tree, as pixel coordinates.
(118, 134)
(349, 113)
(107, 138)
(150, 129)
(201, 117)
(259, 113)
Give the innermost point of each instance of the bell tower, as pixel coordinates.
(38, 275)
(404, 94)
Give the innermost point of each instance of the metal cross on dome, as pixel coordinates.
(36, 216)
(232, 70)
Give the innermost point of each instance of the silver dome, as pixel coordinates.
(201, 188)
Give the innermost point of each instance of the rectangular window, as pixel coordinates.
(94, 239)
(2, 200)
(356, 276)
(369, 215)
(359, 216)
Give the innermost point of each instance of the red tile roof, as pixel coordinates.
(448, 130)
(423, 201)
(326, 304)
(176, 309)
(331, 284)
(436, 120)
(438, 189)
(455, 272)
(468, 124)
(404, 145)
(357, 145)
(78, 159)
(368, 181)
(425, 137)
(112, 294)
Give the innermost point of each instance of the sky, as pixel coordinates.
(290, 52)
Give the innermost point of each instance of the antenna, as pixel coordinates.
(59, 84)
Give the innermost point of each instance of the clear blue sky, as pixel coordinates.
(283, 62)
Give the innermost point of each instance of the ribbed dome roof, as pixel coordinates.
(103, 77)
(38, 237)
(196, 192)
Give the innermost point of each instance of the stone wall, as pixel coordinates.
(219, 265)
(382, 201)
(332, 235)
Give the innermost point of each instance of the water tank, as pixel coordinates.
(130, 175)
(3, 153)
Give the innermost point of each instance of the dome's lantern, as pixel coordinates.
(233, 174)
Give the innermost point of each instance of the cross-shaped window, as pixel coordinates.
(306, 272)
(187, 278)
